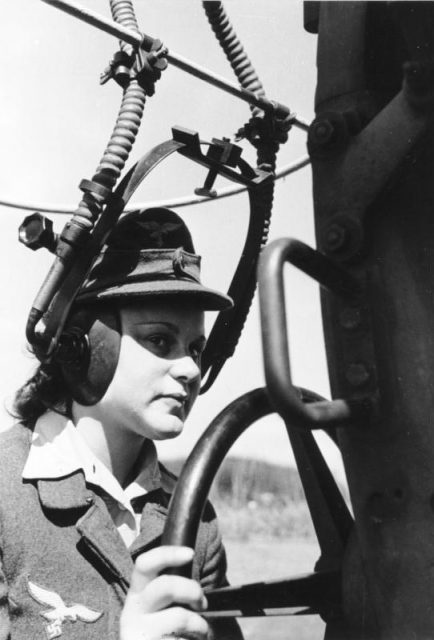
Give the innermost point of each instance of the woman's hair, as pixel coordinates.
(46, 389)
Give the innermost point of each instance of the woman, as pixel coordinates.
(84, 498)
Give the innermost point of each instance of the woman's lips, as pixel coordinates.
(178, 400)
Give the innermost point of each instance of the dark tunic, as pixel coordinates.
(65, 569)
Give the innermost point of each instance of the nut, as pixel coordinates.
(36, 231)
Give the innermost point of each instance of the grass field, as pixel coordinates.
(268, 534)
(255, 561)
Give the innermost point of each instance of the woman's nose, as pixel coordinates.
(185, 369)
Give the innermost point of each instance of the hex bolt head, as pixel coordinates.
(357, 374)
(36, 231)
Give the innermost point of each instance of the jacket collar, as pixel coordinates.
(59, 451)
(154, 513)
(95, 526)
(93, 522)
(67, 493)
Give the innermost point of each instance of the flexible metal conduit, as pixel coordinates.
(90, 207)
(130, 113)
(122, 12)
(233, 50)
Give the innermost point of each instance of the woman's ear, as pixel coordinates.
(88, 352)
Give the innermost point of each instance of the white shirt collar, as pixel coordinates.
(58, 449)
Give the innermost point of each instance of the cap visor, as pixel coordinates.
(208, 299)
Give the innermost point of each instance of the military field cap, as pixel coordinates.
(149, 253)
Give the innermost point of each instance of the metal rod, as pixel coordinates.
(97, 20)
(265, 613)
(315, 590)
(180, 201)
(131, 37)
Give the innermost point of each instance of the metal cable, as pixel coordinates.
(174, 203)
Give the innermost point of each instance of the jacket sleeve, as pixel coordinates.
(5, 628)
(212, 572)
(210, 552)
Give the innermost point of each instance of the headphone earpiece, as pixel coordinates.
(73, 349)
(88, 352)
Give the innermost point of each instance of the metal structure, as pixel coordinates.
(371, 148)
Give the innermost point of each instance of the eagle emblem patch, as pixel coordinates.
(59, 612)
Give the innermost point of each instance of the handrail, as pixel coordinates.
(285, 397)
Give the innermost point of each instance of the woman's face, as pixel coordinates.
(157, 378)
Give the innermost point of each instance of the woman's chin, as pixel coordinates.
(169, 426)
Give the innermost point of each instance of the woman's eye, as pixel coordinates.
(158, 343)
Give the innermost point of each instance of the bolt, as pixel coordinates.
(336, 237)
(207, 189)
(321, 132)
(36, 232)
(350, 318)
(357, 374)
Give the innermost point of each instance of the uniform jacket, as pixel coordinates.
(64, 567)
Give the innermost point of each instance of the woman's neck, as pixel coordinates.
(115, 447)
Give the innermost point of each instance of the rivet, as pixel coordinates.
(335, 237)
(350, 318)
(322, 132)
(357, 374)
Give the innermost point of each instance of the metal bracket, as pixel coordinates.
(221, 158)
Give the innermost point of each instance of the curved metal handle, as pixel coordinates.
(284, 396)
(318, 591)
(203, 463)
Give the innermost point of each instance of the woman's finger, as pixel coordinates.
(175, 622)
(180, 621)
(168, 590)
(150, 564)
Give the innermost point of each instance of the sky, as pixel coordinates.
(55, 120)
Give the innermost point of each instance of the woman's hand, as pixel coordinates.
(146, 615)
